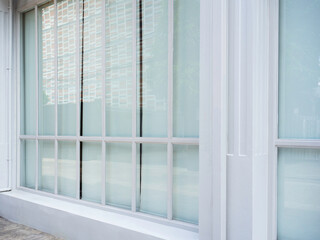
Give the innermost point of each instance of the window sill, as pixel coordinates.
(74, 221)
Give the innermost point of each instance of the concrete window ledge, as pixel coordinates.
(74, 221)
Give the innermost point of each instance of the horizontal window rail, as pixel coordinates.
(297, 143)
(184, 141)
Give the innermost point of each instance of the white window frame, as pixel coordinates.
(273, 117)
(6, 75)
(274, 141)
(212, 129)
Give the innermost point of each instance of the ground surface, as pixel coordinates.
(13, 231)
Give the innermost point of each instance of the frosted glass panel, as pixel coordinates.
(91, 172)
(185, 183)
(67, 67)
(152, 179)
(67, 169)
(298, 194)
(28, 83)
(46, 69)
(299, 71)
(152, 68)
(118, 174)
(119, 67)
(46, 166)
(91, 70)
(186, 68)
(28, 164)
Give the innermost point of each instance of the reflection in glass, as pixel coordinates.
(299, 69)
(152, 68)
(67, 67)
(91, 67)
(91, 172)
(118, 67)
(298, 194)
(185, 183)
(46, 69)
(152, 179)
(186, 40)
(28, 164)
(118, 174)
(28, 80)
(46, 166)
(67, 168)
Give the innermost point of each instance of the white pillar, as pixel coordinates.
(247, 161)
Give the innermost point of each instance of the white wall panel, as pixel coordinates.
(4, 83)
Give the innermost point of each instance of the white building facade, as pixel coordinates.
(208, 128)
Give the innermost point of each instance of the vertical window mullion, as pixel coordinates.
(78, 97)
(78, 169)
(169, 181)
(134, 103)
(19, 88)
(134, 177)
(37, 164)
(170, 106)
(103, 173)
(37, 96)
(55, 166)
(56, 67)
(56, 95)
(103, 103)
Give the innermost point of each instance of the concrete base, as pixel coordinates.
(74, 221)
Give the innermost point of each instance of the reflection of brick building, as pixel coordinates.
(47, 54)
(118, 50)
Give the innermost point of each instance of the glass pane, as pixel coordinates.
(28, 83)
(118, 174)
(152, 179)
(67, 169)
(91, 70)
(118, 67)
(299, 72)
(152, 68)
(46, 166)
(298, 194)
(91, 171)
(185, 183)
(28, 164)
(186, 42)
(67, 67)
(46, 69)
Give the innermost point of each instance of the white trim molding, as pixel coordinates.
(247, 162)
(213, 119)
(273, 118)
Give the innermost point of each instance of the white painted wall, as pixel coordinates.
(4, 96)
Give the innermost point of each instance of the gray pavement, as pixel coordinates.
(13, 231)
